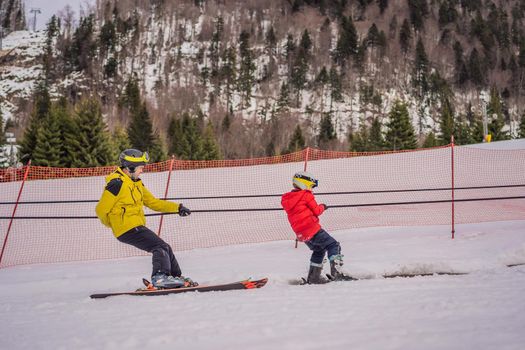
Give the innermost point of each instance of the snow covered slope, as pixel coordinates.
(48, 306)
(477, 304)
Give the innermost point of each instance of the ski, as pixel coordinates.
(302, 281)
(150, 290)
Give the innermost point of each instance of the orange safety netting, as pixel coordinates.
(238, 201)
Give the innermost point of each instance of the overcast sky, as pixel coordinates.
(49, 8)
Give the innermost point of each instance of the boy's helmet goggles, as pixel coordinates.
(305, 181)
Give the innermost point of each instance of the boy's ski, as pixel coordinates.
(302, 281)
(149, 290)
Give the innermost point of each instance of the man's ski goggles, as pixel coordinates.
(143, 159)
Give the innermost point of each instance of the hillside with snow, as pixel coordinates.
(258, 70)
(463, 293)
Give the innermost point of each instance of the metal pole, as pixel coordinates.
(166, 192)
(484, 101)
(452, 173)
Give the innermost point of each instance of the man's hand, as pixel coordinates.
(183, 211)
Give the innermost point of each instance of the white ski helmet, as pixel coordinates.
(304, 180)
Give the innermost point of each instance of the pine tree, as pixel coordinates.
(446, 123)
(376, 140)
(289, 47)
(229, 74)
(93, 138)
(297, 142)
(522, 127)
(360, 141)
(210, 147)
(400, 131)
(246, 77)
(83, 46)
(140, 129)
(421, 69)
(430, 140)
(405, 36)
(495, 109)
(41, 108)
(3, 156)
(49, 147)
(214, 50)
(383, 4)
(300, 66)
(283, 104)
(69, 128)
(447, 12)
(348, 41)
(460, 66)
(462, 135)
(336, 88)
(475, 68)
(119, 142)
(326, 131)
(187, 142)
(418, 11)
(2, 131)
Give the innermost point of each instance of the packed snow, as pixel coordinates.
(466, 293)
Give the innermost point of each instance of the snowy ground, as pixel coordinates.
(48, 306)
(478, 305)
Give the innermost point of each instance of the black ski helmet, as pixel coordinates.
(132, 158)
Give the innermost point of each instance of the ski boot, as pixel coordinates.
(314, 274)
(161, 280)
(188, 282)
(336, 274)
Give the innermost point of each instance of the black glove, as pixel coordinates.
(183, 211)
(325, 206)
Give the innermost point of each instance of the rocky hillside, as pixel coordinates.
(258, 75)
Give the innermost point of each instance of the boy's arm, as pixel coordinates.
(108, 200)
(156, 204)
(317, 209)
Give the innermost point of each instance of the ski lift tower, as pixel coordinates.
(35, 11)
(484, 98)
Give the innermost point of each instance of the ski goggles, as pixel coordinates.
(142, 159)
(308, 180)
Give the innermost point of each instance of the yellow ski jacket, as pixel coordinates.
(121, 206)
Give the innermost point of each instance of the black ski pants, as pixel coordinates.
(163, 258)
(322, 243)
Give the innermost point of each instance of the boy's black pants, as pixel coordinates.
(163, 258)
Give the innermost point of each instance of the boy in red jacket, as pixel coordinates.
(303, 214)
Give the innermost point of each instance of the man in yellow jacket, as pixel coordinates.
(121, 208)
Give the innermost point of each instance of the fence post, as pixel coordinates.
(452, 176)
(166, 191)
(306, 158)
(14, 211)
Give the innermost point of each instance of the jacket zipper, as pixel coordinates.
(123, 212)
(132, 197)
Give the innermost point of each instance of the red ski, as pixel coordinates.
(247, 284)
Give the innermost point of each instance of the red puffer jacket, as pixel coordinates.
(303, 212)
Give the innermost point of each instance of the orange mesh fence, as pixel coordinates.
(238, 201)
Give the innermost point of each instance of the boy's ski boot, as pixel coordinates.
(161, 280)
(336, 274)
(314, 274)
